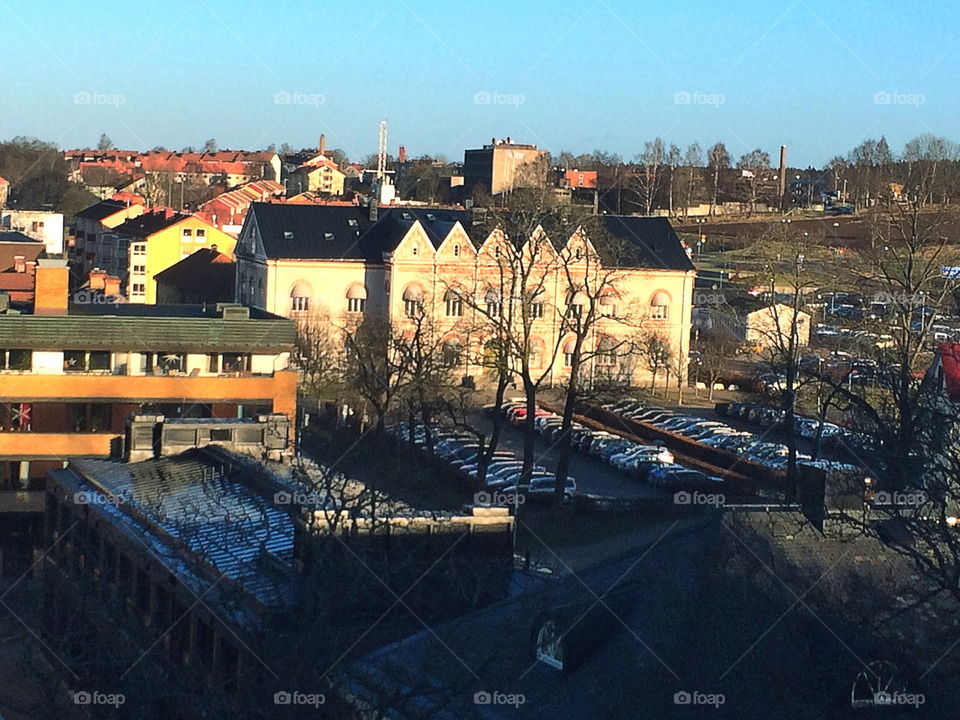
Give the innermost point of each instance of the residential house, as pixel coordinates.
(345, 264)
(143, 246)
(206, 276)
(72, 372)
(320, 174)
(91, 223)
(18, 258)
(47, 227)
(228, 209)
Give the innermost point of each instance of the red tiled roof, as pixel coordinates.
(4, 181)
(950, 360)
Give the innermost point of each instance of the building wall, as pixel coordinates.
(457, 265)
(168, 247)
(762, 327)
(47, 227)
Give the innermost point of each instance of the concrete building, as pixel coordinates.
(341, 265)
(47, 227)
(90, 223)
(504, 165)
(72, 374)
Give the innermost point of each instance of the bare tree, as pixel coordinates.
(649, 174)
(718, 160)
(755, 165)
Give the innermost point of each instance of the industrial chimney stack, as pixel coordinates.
(783, 176)
(322, 150)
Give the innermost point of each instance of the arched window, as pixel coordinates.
(452, 352)
(537, 297)
(356, 299)
(608, 304)
(607, 351)
(300, 297)
(493, 302)
(413, 301)
(569, 348)
(660, 305)
(576, 301)
(537, 347)
(453, 303)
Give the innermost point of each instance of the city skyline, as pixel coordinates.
(603, 77)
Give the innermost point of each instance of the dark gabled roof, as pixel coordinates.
(395, 223)
(649, 242)
(311, 232)
(207, 268)
(148, 224)
(101, 210)
(336, 232)
(174, 328)
(15, 236)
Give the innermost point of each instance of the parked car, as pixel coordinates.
(542, 489)
(672, 478)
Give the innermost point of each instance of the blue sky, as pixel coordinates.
(577, 76)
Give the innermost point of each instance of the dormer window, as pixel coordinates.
(328, 236)
(352, 222)
(288, 234)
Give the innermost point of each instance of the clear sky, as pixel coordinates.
(577, 76)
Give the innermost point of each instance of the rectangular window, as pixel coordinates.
(221, 435)
(568, 359)
(299, 304)
(15, 359)
(606, 360)
(536, 311)
(493, 309)
(139, 269)
(356, 305)
(454, 306)
(412, 308)
(86, 361)
(187, 232)
(139, 249)
(658, 312)
(139, 289)
(201, 233)
(575, 311)
(236, 362)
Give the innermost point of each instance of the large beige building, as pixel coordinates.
(342, 266)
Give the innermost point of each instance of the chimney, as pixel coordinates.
(31, 267)
(19, 263)
(97, 279)
(402, 154)
(783, 172)
(322, 149)
(51, 287)
(111, 286)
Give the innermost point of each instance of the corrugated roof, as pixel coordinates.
(147, 332)
(204, 512)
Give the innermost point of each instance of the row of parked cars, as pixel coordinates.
(651, 463)
(462, 452)
(766, 416)
(711, 433)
